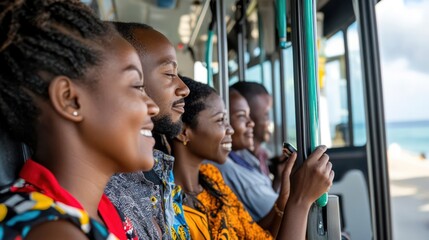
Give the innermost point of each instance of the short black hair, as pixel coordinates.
(39, 40)
(195, 101)
(250, 89)
(126, 29)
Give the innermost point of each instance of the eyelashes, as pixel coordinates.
(140, 88)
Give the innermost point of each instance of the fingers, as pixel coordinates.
(317, 153)
(289, 165)
(331, 176)
(286, 152)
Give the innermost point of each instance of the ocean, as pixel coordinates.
(410, 136)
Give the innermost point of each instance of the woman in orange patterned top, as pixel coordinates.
(210, 205)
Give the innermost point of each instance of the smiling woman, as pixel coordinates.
(72, 90)
(211, 209)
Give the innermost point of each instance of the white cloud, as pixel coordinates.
(405, 91)
(403, 31)
(404, 50)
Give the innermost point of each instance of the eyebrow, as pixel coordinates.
(223, 113)
(132, 68)
(169, 62)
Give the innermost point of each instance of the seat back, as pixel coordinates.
(12, 157)
(355, 205)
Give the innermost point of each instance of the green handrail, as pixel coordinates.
(309, 14)
(209, 56)
(281, 22)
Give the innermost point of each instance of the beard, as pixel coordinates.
(164, 125)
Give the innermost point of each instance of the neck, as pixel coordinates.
(256, 146)
(186, 169)
(81, 172)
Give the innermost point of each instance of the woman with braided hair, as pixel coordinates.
(72, 90)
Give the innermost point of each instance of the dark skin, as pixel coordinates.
(261, 105)
(241, 122)
(159, 63)
(216, 133)
(105, 136)
(160, 73)
(299, 199)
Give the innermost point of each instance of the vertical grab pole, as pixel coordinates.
(222, 50)
(209, 57)
(241, 38)
(281, 27)
(310, 40)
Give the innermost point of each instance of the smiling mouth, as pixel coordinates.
(227, 146)
(146, 132)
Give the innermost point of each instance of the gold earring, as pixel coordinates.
(185, 142)
(75, 113)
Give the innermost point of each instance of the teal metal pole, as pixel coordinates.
(310, 40)
(281, 22)
(209, 56)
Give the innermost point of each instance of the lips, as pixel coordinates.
(179, 106)
(249, 134)
(146, 130)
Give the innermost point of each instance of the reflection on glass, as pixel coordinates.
(356, 82)
(334, 114)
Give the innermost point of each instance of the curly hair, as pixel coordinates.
(250, 89)
(39, 40)
(127, 31)
(194, 102)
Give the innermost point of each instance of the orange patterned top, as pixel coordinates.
(227, 217)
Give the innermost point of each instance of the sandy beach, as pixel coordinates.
(409, 189)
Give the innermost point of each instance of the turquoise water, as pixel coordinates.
(411, 136)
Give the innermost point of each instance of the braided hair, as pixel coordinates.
(39, 40)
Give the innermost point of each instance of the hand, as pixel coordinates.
(286, 166)
(313, 178)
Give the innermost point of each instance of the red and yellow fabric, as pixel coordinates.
(197, 223)
(227, 217)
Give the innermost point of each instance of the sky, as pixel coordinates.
(404, 49)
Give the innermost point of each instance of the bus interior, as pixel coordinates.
(287, 46)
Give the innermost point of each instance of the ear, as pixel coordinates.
(185, 134)
(64, 97)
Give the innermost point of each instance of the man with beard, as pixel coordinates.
(146, 198)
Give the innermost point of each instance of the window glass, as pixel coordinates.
(333, 107)
(356, 83)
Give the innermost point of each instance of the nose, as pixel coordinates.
(152, 108)
(182, 90)
(229, 129)
(250, 123)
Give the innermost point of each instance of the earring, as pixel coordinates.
(75, 113)
(185, 142)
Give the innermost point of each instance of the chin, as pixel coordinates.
(149, 165)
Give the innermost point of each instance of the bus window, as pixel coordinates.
(356, 83)
(342, 109)
(333, 95)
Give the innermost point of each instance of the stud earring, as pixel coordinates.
(75, 113)
(185, 142)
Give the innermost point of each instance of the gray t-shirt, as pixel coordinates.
(252, 187)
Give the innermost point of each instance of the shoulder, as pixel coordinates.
(212, 173)
(55, 230)
(23, 213)
(215, 177)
